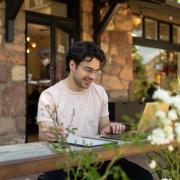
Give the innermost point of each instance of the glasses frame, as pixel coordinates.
(91, 71)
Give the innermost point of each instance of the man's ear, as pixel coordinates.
(72, 65)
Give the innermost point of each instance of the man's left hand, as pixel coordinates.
(113, 128)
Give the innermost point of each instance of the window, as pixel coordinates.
(158, 66)
(150, 29)
(176, 34)
(137, 26)
(164, 32)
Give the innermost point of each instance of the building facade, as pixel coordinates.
(113, 34)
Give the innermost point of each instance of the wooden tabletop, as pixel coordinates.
(31, 158)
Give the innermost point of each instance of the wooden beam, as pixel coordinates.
(12, 8)
(96, 19)
(112, 10)
(99, 26)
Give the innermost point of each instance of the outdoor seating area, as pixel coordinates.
(79, 79)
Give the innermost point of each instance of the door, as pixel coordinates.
(47, 40)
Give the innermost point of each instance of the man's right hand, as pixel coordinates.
(49, 133)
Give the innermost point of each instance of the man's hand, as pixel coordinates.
(49, 133)
(112, 128)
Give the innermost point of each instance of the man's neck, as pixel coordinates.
(70, 83)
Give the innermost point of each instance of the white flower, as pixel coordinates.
(177, 131)
(168, 130)
(158, 137)
(170, 148)
(152, 164)
(162, 95)
(172, 115)
(165, 122)
(160, 114)
(175, 101)
(165, 179)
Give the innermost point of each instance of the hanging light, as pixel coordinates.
(170, 18)
(30, 45)
(33, 44)
(28, 39)
(28, 51)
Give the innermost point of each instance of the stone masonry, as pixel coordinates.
(116, 41)
(12, 82)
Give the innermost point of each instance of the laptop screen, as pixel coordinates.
(148, 119)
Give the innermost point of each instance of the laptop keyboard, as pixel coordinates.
(127, 136)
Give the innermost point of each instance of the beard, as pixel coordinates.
(83, 82)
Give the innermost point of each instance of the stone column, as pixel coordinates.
(12, 82)
(116, 41)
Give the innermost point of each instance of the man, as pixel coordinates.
(78, 102)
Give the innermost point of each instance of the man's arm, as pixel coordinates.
(107, 127)
(47, 133)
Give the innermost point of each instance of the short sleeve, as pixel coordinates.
(46, 108)
(104, 110)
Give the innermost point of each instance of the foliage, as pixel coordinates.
(86, 162)
(167, 162)
(139, 83)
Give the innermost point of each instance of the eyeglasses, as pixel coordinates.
(91, 71)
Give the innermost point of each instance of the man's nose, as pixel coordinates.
(92, 75)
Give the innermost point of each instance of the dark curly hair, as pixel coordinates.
(84, 51)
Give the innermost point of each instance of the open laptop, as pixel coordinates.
(88, 141)
(146, 123)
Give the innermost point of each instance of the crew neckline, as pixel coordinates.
(74, 92)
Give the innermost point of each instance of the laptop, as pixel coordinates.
(88, 141)
(146, 123)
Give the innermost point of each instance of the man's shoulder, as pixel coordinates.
(54, 89)
(98, 88)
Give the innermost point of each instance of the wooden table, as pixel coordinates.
(31, 158)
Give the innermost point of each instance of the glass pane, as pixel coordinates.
(164, 32)
(47, 7)
(62, 44)
(159, 68)
(176, 34)
(38, 71)
(150, 29)
(137, 26)
(38, 52)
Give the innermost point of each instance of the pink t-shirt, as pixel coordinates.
(82, 110)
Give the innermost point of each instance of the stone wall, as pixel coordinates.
(12, 82)
(116, 41)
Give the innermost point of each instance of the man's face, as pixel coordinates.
(86, 72)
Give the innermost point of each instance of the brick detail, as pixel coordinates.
(117, 95)
(87, 5)
(105, 47)
(11, 57)
(112, 82)
(105, 37)
(1, 22)
(86, 36)
(87, 21)
(8, 126)
(126, 73)
(20, 124)
(5, 73)
(12, 94)
(1, 37)
(18, 73)
(13, 100)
